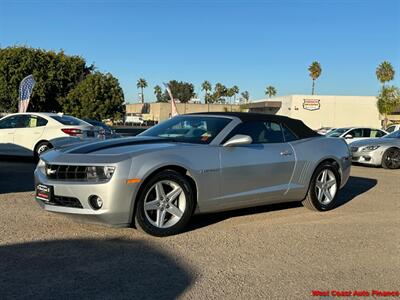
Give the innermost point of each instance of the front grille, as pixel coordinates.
(65, 201)
(354, 149)
(65, 172)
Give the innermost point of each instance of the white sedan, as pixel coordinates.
(352, 134)
(30, 134)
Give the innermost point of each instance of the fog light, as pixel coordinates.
(95, 202)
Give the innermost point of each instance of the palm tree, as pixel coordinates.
(388, 100)
(158, 92)
(219, 91)
(141, 84)
(315, 71)
(206, 87)
(235, 89)
(385, 72)
(270, 91)
(246, 96)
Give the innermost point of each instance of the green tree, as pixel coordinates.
(230, 93)
(206, 87)
(141, 84)
(270, 91)
(315, 71)
(220, 91)
(236, 90)
(159, 94)
(388, 100)
(55, 74)
(385, 72)
(182, 91)
(246, 96)
(98, 96)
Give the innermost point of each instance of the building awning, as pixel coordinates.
(263, 104)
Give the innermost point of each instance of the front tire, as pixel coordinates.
(324, 187)
(165, 204)
(391, 159)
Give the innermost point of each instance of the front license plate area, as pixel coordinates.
(44, 192)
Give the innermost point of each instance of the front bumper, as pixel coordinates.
(117, 196)
(373, 158)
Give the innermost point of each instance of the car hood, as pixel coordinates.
(107, 151)
(375, 141)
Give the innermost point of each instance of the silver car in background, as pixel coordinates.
(190, 164)
(353, 134)
(383, 152)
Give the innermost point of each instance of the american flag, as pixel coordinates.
(25, 91)
(174, 110)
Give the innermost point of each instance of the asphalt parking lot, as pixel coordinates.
(272, 252)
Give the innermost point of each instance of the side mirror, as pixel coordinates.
(239, 139)
(348, 136)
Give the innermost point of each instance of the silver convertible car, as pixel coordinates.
(190, 164)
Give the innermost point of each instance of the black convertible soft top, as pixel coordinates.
(296, 126)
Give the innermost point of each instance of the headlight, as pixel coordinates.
(370, 148)
(99, 173)
(41, 164)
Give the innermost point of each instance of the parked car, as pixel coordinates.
(134, 120)
(108, 132)
(352, 134)
(195, 163)
(325, 130)
(393, 128)
(30, 134)
(383, 152)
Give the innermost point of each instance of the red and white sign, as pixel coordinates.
(311, 104)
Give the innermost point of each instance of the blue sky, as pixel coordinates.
(251, 43)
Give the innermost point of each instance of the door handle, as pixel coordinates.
(286, 153)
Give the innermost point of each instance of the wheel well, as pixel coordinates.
(176, 168)
(39, 142)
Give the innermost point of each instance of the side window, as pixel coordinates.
(288, 134)
(33, 121)
(390, 129)
(380, 133)
(376, 133)
(260, 132)
(10, 122)
(356, 133)
(366, 133)
(41, 122)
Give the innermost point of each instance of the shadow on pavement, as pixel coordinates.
(89, 268)
(354, 187)
(16, 174)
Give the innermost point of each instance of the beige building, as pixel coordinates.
(324, 111)
(315, 110)
(162, 111)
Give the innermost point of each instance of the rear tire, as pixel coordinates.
(165, 204)
(41, 148)
(324, 187)
(391, 159)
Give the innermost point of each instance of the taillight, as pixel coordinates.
(71, 131)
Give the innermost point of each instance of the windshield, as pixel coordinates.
(189, 129)
(337, 132)
(68, 120)
(393, 135)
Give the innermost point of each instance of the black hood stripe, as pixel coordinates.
(97, 146)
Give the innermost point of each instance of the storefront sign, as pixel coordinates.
(311, 104)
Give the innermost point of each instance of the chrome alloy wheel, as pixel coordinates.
(164, 204)
(42, 148)
(326, 186)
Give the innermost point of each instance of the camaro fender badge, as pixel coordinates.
(208, 171)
